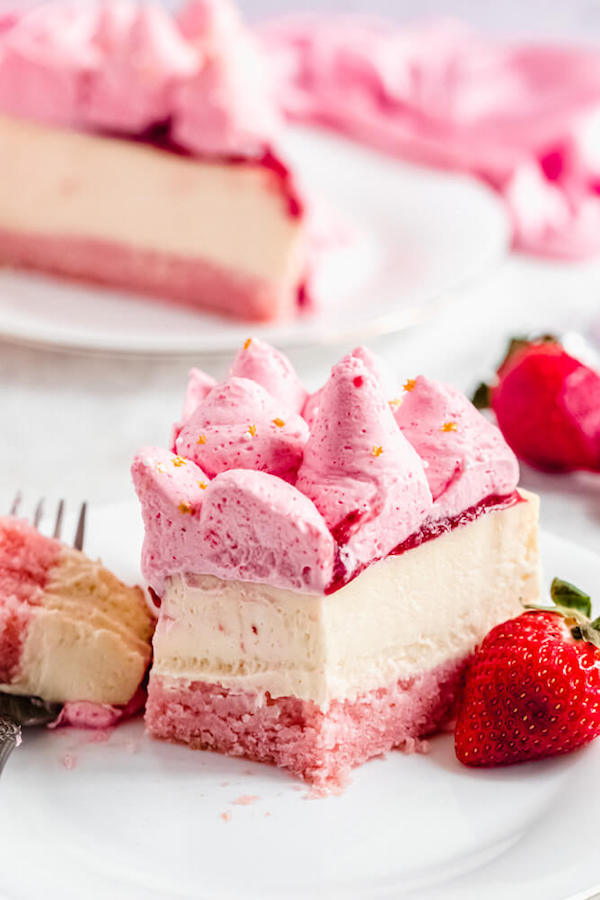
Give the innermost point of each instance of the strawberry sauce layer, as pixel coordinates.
(427, 532)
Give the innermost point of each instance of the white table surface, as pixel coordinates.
(71, 423)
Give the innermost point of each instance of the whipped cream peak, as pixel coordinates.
(176, 481)
(142, 49)
(373, 362)
(201, 21)
(239, 425)
(361, 473)
(226, 106)
(379, 368)
(171, 492)
(264, 364)
(198, 387)
(467, 458)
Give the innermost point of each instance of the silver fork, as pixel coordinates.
(17, 711)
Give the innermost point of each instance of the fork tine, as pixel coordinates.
(39, 511)
(14, 509)
(59, 518)
(79, 534)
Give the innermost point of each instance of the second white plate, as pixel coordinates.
(122, 816)
(422, 233)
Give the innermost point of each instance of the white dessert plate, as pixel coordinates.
(119, 815)
(418, 235)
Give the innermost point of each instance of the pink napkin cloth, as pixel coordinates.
(524, 117)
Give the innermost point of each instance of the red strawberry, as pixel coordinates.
(547, 404)
(533, 687)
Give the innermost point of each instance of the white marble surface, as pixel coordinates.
(72, 423)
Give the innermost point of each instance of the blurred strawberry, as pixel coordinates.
(547, 404)
(533, 687)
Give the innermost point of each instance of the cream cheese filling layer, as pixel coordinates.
(68, 184)
(403, 615)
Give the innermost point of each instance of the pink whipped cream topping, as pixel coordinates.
(118, 66)
(359, 470)
(198, 386)
(305, 506)
(521, 116)
(239, 425)
(271, 369)
(466, 456)
(375, 365)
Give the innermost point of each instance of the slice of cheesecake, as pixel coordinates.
(319, 619)
(70, 631)
(140, 153)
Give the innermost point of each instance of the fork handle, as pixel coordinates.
(10, 737)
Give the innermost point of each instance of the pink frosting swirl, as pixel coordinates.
(271, 369)
(376, 366)
(466, 457)
(361, 473)
(240, 426)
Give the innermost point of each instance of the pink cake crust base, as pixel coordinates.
(319, 746)
(195, 283)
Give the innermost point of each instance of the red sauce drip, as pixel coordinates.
(343, 531)
(428, 532)
(156, 600)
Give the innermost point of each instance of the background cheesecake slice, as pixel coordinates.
(70, 631)
(139, 150)
(318, 617)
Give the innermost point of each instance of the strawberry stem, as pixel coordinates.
(565, 594)
(482, 396)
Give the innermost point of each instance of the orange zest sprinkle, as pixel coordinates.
(201, 439)
(252, 430)
(247, 343)
(376, 451)
(395, 403)
(178, 461)
(203, 485)
(449, 426)
(160, 468)
(410, 384)
(279, 422)
(184, 508)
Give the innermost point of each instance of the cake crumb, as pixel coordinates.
(415, 745)
(248, 772)
(100, 737)
(267, 814)
(224, 784)
(69, 761)
(245, 800)
(226, 816)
